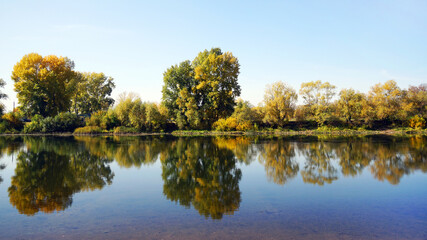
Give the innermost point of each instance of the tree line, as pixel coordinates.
(202, 94)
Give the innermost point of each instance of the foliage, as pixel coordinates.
(317, 98)
(280, 103)
(384, 102)
(144, 116)
(197, 94)
(92, 93)
(12, 122)
(103, 119)
(415, 102)
(63, 122)
(88, 130)
(242, 119)
(417, 122)
(350, 104)
(121, 130)
(44, 84)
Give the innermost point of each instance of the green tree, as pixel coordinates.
(317, 98)
(92, 93)
(280, 103)
(198, 93)
(350, 104)
(44, 85)
(216, 76)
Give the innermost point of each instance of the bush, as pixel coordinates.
(88, 130)
(12, 122)
(63, 122)
(103, 119)
(122, 129)
(417, 122)
(232, 124)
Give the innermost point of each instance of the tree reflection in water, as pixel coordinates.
(8, 146)
(198, 172)
(278, 158)
(50, 171)
(201, 172)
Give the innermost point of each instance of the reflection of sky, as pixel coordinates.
(134, 205)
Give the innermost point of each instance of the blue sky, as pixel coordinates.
(348, 43)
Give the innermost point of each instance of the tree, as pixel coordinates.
(44, 84)
(198, 93)
(384, 101)
(280, 103)
(415, 102)
(216, 76)
(92, 93)
(350, 104)
(2, 96)
(317, 98)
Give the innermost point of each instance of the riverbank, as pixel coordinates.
(241, 133)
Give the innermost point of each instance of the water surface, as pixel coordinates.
(372, 187)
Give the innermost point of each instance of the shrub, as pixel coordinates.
(63, 122)
(417, 122)
(122, 129)
(232, 124)
(88, 130)
(103, 119)
(244, 126)
(13, 123)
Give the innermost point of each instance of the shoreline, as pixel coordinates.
(237, 133)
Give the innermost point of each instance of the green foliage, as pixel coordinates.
(103, 119)
(417, 122)
(143, 116)
(11, 122)
(63, 122)
(88, 130)
(199, 93)
(92, 93)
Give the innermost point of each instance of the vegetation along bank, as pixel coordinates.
(200, 97)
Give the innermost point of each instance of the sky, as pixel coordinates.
(348, 43)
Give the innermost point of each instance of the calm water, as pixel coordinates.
(372, 187)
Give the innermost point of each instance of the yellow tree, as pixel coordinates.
(415, 102)
(350, 104)
(44, 84)
(317, 98)
(216, 75)
(384, 101)
(280, 102)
